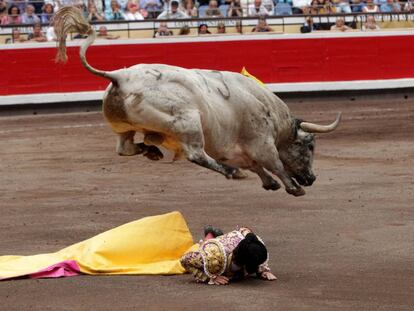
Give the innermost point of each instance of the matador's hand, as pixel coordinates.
(220, 280)
(267, 275)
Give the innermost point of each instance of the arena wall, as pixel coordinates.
(285, 62)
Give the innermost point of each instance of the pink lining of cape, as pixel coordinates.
(61, 269)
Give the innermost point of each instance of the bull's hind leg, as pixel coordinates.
(190, 134)
(126, 147)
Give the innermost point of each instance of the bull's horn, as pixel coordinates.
(316, 128)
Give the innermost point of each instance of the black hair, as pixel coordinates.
(250, 253)
(13, 6)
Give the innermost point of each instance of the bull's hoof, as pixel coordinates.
(230, 173)
(297, 192)
(153, 153)
(274, 185)
(239, 174)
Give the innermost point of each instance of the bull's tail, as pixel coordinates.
(70, 19)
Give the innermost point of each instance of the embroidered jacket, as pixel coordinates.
(215, 257)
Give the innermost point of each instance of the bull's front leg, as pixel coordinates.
(268, 182)
(126, 147)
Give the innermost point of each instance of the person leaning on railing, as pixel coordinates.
(16, 37)
(370, 24)
(37, 34)
(262, 26)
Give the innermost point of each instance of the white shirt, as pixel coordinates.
(133, 17)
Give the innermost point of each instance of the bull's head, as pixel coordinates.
(297, 155)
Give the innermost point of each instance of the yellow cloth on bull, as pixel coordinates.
(151, 245)
(244, 72)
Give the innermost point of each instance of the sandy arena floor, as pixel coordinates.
(347, 245)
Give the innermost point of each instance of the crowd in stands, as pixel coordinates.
(17, 12)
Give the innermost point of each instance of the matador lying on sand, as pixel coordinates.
(156, 245)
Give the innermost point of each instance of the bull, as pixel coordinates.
(219, 120)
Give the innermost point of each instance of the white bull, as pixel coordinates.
(219, 120)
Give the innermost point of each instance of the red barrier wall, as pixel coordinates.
(32, 70)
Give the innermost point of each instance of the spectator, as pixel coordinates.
(98, 4)
(185, 30)
(409, 6)
(163, 30)
(38, 5)
(153, 7)
(370, 24)
(221, 28)
(309, 25)
(47, 13)
(339, 25)
(132, 12)
(319, 7)
(390, 7)
(212, 10)
(203, 29)
(262, 26)
(103, 34)
(301, 6)
(13, 18)
(370, 7)
(189, 8)
(235, 9)
(37, 34)
(357, 6)
(174, 13)
(269, 6)
(3, 9)
(21, 4)
(29, 16)
(94, 15)
(114, 13)
(16, 37)
(342, 6)
(257, 9)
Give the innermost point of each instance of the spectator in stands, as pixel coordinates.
(185, 30)
(189, 8)
(319, 7)
(339, 25)
(370, 7)
(13, 17)
(257, 9)
(390, 7)
(203, 29)
(16, 37)
(153, 7)
(103, 34)
(21, 4)
(357, 6)
(221, 28)
(301, 6)
(235, 9)
(3, 9)
(409, 6)
(370, 24)
(132, 12)
(47, 13)
(342, 6)
(310, 26)
(29, 16)
(262, 26)
(94, 15)
(269, 6)
(98, 4)
(37, 34)
(114, 13)
(163, 30)
(173, 13)
(213, 10)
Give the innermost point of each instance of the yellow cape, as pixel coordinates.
(151, 245)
